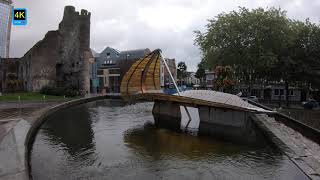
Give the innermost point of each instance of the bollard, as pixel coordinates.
(19, 104)
(19, 101)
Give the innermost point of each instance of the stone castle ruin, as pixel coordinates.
(61, 58)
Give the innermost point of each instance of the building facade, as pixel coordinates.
(110, 66)
(5, 27)
(191, 79)
(165, 79)
(210, 76)
(273, 92)
(9, 75)
(94, 81)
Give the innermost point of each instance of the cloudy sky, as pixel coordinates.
(134, 24)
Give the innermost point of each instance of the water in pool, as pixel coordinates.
(110, 140)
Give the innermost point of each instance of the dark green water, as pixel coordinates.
(107, 140)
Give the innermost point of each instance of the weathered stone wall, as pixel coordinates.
(61, 58)
(38, 64)
(86, 53)
(9, 75)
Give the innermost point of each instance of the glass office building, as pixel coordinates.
(5, 27)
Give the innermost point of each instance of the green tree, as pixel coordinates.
(262, 46)
(305, 52)
(299, 63)
(201, 74)
(248, 40)
(224, 80)
(181, 71)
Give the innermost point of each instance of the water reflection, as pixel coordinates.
(71, 130)
(152, 140)
(224, 159)
(167, 122)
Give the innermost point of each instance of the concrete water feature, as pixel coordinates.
(139, 138)
(109, 139)
(229, 118)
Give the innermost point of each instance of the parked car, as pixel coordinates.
(253, 98)
(310, 104)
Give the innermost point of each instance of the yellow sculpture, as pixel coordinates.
(143, 76)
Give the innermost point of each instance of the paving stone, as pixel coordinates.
(12, 151)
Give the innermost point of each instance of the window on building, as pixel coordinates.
(210, 77)
(291, 92)
(105, 62)
(255, 92)
(114, 71)
(276, 92)
(100, 72)
(281, 92)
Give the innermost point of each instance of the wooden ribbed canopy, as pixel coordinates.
(143, 76)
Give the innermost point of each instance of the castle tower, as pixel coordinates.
(85, 51)
(75, 30)
(70, 17)
(85, 30)
(61, 59)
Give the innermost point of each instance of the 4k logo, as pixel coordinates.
(19, 17)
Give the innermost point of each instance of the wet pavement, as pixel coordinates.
(15, 119)
(12, 151)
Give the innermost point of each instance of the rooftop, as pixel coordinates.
(133, 54)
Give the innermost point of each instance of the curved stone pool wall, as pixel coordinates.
(40, 117)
